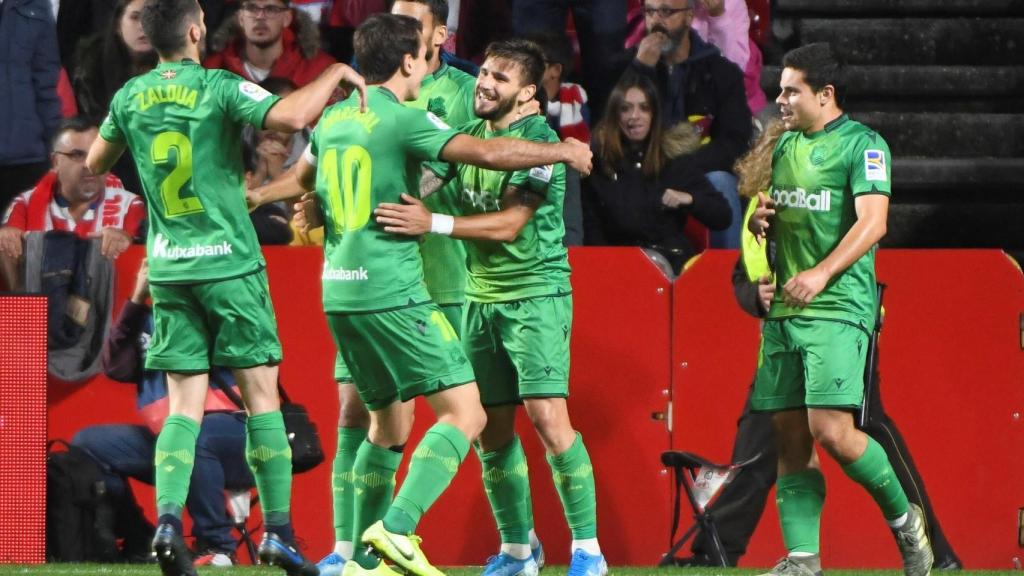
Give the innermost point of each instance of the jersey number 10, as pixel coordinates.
(348, 193)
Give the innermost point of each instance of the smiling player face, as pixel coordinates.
(497, 89)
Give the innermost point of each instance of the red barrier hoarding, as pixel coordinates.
(22, 429)
(952, 368)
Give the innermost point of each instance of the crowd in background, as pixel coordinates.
(665, 138)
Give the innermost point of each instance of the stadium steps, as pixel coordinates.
(943, 82)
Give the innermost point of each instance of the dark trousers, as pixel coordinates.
(125, 451)
(600, 28)
(738, 509)
(15, 179)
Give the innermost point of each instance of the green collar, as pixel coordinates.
(829, 128)
(387, 94)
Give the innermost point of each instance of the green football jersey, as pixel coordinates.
(815, 180)
(448, 94)
(183, 126)
(536, 263)
(364, 159)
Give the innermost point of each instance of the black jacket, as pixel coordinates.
(705, 85)
(29, 67)
(626, 209)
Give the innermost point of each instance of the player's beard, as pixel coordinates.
(500, 111)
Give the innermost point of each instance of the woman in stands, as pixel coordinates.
(643, 189)
(104, 62)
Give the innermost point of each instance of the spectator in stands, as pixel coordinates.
(600, 28)
(696, 84)
(268, 154)
(270, 221)
(275, 151)
(127, 451)
(71, 198)
(645, 184)
(105, 62)
(29, 68)
(268, 38)
(345, 17)
(78, 19)
(738, 509)
(567, 110)
(726, 24)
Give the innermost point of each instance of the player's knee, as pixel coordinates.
(831, 435)
(473, 422)
(387, 436)
(494, 438)
(353, 415)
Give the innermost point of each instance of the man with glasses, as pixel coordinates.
(269, 39)
(70, 198)
(697, 84)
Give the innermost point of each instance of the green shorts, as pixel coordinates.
(519, 349)
(400, 354)
(228, 323)
(342, 375)
(813, 363)
(453, 312)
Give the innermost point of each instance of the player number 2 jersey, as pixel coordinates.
(183, 125)
(815, 180)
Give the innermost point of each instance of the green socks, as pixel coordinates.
(342, 482)
(874, 472)
(174, 458)
(800, 498)
(507, 483)
(373, 483)
(434, 463)
(270, 459)
(574, 481)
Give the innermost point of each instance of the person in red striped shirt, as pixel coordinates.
(70, 198)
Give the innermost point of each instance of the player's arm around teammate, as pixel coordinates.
(290, 114)
(414, 219)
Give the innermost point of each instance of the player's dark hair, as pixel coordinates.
(166, 23)
(821, 67)
(438, 9)
(382, 41)
(557, 49)
(525, 54)
(609, 142)
(76, 124)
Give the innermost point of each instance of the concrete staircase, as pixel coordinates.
(943, 82)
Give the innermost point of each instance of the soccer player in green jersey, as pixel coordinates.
(830, 188)
(446, 92)
(183, 125)
(519, 314)
(397, 343)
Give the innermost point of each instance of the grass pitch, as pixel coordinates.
(136, 570)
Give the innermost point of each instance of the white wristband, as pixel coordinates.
(442, 224)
